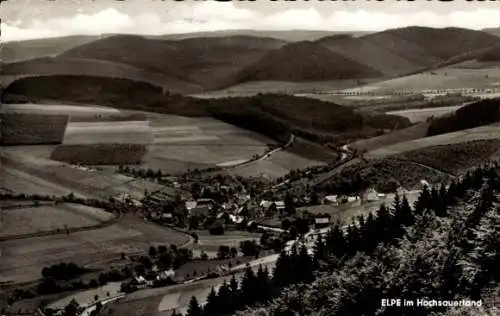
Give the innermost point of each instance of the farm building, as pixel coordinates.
(202, 211)
(322, 221)
(168, 216)
(331, 199)
(190, 205)
(210, 203)
(164, 275)
(370, 195)
(280, 205)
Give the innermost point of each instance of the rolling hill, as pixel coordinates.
(493, 31)
(288, 36)
(407, 50)
(208, 62)
(93, 67)
(23, 50)
(191, 64)
(380, 57)
(304, 61)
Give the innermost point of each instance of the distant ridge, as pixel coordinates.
(226, 58)
(305, 61)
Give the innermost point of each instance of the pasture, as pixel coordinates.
(410, 133)
(32, 177)
(23, 259)
(34, 219)
(32, 129)
(421, 115)
(452, 77)
(59, 109)
(211, 243)
(16, 181)
(478, 133)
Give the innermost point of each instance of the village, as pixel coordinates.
(220, 205)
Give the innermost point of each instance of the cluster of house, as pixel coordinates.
(369, 195)
(152, 277)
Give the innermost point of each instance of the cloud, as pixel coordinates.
(212, 16)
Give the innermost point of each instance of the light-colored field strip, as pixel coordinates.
(59, 109)
(420, 115)
(174, 129)
(482, 132)
(173, 140)
(120, 125)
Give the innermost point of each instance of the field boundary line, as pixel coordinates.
(422, 165)
(113, 221)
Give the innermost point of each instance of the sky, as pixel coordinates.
(33, 19)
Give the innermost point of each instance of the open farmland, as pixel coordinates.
(129, 132)
(59, 109)
(410, 133)
(16, 181)
(452, 77)
(210, 243)
(29, 129)
(22, 260)
(92, 183)
(26, 220)
(100, 154)
(181, 143)
(454, 158)
(478, 133)
(421, 115)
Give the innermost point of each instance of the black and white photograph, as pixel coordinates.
(249, 158)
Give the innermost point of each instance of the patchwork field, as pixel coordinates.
(421, 115)
(130, 132)
(22, 260)
(171, 143)
(478, 133)
(18, 221)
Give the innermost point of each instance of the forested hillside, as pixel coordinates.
(445, 247)
(275, 116)
(476, 114)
